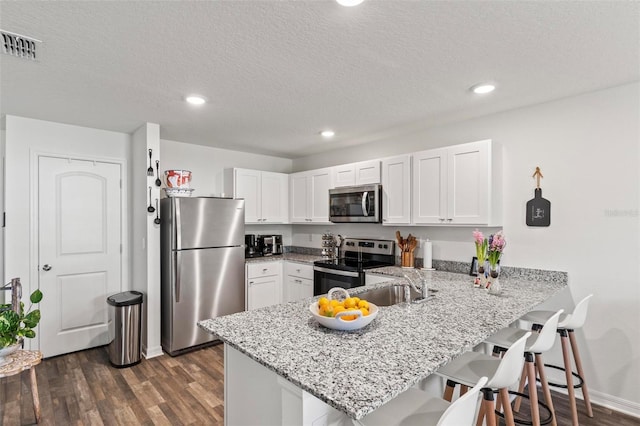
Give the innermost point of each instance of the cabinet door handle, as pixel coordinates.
(449, 220)
(441, 219)
(250, 282)
(265, 270)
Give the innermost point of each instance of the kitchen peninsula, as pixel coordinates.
(282, 367)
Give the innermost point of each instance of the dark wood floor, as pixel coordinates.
(83, 389)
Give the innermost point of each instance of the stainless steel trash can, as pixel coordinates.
(125, 314)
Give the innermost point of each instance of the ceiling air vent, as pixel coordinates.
(18, 45)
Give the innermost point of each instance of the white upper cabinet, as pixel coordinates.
(344, 175)
(396, 190)
(309, 192)
(266, 194)
(457, 185)
(298, 194)
(430, 186)
(362, 173)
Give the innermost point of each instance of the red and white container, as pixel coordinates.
(177, 179)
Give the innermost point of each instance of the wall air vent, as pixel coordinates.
(18, 45)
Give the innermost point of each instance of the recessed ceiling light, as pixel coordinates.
(195, 99)
(349, 3)
(328, 133)
(483, 88)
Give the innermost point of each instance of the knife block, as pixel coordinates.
(407, 259)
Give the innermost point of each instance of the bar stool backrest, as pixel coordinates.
(463, 410)
(579, 315)
(547, 336)
(510, 367)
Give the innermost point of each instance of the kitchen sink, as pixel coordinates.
(387, 296)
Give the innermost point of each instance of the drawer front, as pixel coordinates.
(298, 270)
(263, 269)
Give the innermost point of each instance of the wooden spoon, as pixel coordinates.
(399, 239)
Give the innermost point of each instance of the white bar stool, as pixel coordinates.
(469, 367)
(415, 407)
(536, 344)
(566, 326)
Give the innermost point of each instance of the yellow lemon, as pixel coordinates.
(364, 311)
(349, 302)
(338, 309)
(323, 301)
(363, 304)
(334, 302)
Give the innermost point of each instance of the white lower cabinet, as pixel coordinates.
(264, 284)
(298, 281)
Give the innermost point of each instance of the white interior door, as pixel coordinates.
(79, 221)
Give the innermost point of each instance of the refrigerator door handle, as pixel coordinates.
(178, 261)
(178, 228)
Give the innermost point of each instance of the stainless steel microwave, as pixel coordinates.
(356, 204)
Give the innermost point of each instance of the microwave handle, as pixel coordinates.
(365, 201)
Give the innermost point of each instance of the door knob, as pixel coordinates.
(46, 267)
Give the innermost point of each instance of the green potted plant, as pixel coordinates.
(15, 326)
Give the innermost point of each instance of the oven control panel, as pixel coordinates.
(371, 246)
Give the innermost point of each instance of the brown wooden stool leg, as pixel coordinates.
(481, 413)
(463, 389)
(448, 391)
(508, 414)
(545, 388)
(576, 357)
(567, 366)
(518, 400)
(533, 389)
(34, 394)
(490, 407)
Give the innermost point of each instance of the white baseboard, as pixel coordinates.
(609, 401)
(152, 352)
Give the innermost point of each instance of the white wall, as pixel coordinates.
(25, 137)
(146, 235)
(207, 164)
(588, 149)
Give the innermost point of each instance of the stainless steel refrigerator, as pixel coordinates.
(202, 263)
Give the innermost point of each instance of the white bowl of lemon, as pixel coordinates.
(339, 311)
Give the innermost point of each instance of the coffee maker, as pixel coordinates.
(270, 244)
(251, 246)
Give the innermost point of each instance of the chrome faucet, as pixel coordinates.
(422, 288)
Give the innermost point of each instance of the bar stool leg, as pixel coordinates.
(34, 394)
(481, 413)
(463, 389)
(490, 407)
(508, 414)
(448, 391)
(545, 388)
(576, 357)
(567, 364)
(533, 389)
(518, 400)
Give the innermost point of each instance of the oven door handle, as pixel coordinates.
(365, 201)
(336, 272)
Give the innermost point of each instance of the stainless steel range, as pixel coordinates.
(358, 255)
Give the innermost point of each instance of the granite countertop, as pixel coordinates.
(292, 257)
(358, 371)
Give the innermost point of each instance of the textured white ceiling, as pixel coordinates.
(278, 72)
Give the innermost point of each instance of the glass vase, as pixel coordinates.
(494, 280)
(481, 276)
